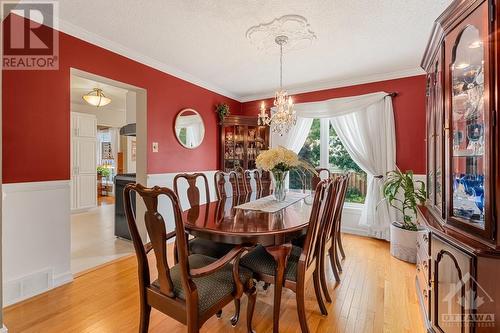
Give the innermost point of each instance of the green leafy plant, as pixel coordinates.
(404, 193)
(103, 171)
(222, 110)
(353, 194)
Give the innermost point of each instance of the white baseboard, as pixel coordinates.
(61, 279)
(354, 231)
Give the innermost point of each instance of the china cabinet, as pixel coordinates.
(242, 140)
(459, 255)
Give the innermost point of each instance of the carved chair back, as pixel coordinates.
(332, 206)
(155, 226)
(193, 192)
(226, 184)
(252, 181)
(317, 212)
(344, 184)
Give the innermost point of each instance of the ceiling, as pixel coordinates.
(203, 41)
(81, 86)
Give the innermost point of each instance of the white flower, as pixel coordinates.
(267, 160)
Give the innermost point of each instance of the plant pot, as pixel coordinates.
(404, 243)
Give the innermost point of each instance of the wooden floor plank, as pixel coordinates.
(376, 294)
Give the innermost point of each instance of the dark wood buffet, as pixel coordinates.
(458, 263)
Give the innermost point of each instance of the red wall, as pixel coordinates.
(36, 114)
(409, 113)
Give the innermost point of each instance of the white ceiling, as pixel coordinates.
(203, 41)
(81, 86)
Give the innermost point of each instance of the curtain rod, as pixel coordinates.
(392, 94)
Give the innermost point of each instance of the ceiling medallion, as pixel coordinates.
(295, 27)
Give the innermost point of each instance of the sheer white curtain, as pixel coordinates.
(365, 125)
(368, 135)
(294, 139)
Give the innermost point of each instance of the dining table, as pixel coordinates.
(223, 221)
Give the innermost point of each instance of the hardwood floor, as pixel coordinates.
(377, 294)
(93, 240)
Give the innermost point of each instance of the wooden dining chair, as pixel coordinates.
(327, 241)
(226, 184)
(252, 182)
(321, 173)
(302, 263)
(195, 288)
(199, 245)
(338, 224)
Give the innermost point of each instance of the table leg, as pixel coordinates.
(280, 253)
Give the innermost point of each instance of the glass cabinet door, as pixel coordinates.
(435, 140)
(438, 133)
(468, 121)
(431, 194)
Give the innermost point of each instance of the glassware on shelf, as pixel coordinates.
(468, 197)
(475, 134)
(468, 127)
(458, 137)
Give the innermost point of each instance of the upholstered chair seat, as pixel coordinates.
(211, 288)
(261, 262)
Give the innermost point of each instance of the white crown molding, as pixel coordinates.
(324, 85)
(78, 32)
(112, 46)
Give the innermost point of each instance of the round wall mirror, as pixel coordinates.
(189, 128)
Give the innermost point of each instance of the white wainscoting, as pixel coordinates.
(36, 238)
(167, 180)
(350, 220)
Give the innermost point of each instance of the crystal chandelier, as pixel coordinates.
(284, 116)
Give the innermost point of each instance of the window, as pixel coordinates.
(338, 160)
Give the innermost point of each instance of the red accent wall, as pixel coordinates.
(36, 114)
(409, 113)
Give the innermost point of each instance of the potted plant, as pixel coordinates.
(404, 194)
(103, 172)
(222, 110)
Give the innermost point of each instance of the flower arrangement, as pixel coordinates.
(279, 161)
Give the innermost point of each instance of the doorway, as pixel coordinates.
(100, 153)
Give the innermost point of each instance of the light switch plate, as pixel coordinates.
(155, 147)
